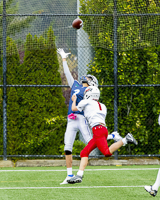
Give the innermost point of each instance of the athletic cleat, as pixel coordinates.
(117, 137)
(75, 179)
(150, 190)
(67, 178)
(130, 139)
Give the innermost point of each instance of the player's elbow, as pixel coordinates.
(74, 108)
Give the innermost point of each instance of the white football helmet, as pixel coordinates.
(91, 92)
(89, 79)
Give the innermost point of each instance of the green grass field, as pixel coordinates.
(100, 182)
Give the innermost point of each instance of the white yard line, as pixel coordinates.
(83, 187)
(77, 170)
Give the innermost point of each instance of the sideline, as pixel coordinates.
(63, 170)
(83, 187)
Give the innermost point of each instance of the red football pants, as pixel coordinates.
(100, 134)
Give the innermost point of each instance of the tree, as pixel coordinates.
(133, 31)
(36, 115)
(15, 23)
(138, 107)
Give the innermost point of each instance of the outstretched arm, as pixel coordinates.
(68, 74)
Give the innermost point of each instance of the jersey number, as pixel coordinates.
(99, 105)
(76, 91)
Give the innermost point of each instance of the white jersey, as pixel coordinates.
(94, 111)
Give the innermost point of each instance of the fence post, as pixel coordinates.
(115, 73)
(4, 83)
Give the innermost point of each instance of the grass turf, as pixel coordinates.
(99, 182)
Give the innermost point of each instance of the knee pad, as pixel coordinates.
(84, 153)
(108, 153)
(68, 152)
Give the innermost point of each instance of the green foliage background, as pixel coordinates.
(36, 116)
(133, 32)
(138, 107)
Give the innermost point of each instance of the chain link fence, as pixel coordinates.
(119, 44)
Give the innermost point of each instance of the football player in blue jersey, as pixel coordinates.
(76, 120)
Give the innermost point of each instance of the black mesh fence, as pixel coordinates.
(118, 43)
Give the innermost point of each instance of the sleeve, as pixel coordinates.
(68, 74)
(81, 105)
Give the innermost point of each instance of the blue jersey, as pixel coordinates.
(77, 89)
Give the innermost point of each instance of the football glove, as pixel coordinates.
(62, 53)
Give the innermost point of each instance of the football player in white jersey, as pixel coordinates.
(95, 113)
(76, 120)
(153, 189)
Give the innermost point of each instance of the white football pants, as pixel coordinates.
(73, 126)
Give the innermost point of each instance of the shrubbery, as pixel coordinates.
(138, 107)
(30, 108)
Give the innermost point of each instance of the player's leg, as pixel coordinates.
(157, 183)
(103, 146)
(87, 132)
(79, 176)
(84, 161)
(152, 189)
(69, 139)
(128, 139)
(84, 128)
(100, 134)
(115, 146)
(115, 136)
(99, 140)
(85, 153)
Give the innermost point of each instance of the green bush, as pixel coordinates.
(51, 138)
(138, 107)
(29, 108)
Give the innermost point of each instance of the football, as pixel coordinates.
(77, 23)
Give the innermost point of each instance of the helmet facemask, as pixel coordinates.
(92, 93)
(90, 80)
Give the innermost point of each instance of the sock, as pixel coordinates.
(80, 173)
(124, 141)
(157, 183)
(110, 137)
(69, 171)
